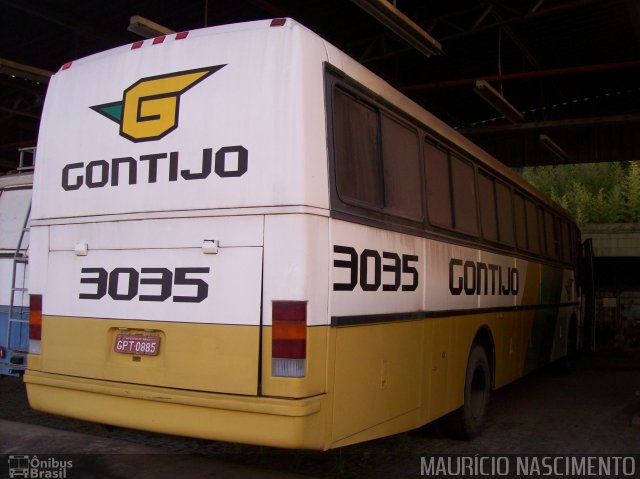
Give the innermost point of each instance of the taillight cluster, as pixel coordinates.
(35, 317)
(289, 339)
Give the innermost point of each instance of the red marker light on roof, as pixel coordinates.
(158, 40)
(137, 44)
(66, 66)
(278, 22)
(181, 35)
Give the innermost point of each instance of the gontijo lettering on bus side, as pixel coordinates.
(469, 277)
(475, 277)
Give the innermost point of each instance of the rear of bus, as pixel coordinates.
(179, 238)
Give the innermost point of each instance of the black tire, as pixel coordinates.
(466, 422)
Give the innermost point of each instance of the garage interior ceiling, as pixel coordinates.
(570, 67)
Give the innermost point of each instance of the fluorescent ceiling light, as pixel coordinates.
(553, 147)
(498, 102)
(401, 25)
(26, 72)
(146, 28)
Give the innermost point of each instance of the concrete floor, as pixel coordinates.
(587, 412)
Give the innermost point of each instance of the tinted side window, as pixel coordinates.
(520, 217)
(533, 238)
(451, 192)
(566, 242)
(357, 157)
(402, 176)
(505, 214)
(464, 196)
(549, 229)
(487, 199)
(438, 186)
(541, 235)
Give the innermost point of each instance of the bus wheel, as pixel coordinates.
(466, 422)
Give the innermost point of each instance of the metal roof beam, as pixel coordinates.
(522, 76)
(572, 5)
(401, 25)
(26, 72)
(551, 124)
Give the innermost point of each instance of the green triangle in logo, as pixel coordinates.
(113, 111)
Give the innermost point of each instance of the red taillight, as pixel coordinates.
(278, 22)
(35, 317)
(289, 338)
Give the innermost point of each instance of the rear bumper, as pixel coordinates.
(290, 423)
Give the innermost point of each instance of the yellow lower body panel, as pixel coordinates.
(362, 381)
(192, 356)
(289, 423)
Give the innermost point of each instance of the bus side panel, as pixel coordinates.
(380, 365)
(550, 324)
(454, 280)
(377, 277)
(295, 269)
(438, 346)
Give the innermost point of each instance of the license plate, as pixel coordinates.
(138, 344)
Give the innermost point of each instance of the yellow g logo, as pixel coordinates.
(149, 108)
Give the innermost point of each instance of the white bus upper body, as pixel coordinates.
(141, 161)
(134, 134)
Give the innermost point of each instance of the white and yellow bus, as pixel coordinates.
(239, 233)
